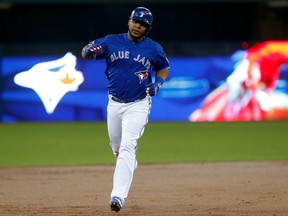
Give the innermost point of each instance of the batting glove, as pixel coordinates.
(94, 50)
(153, 88)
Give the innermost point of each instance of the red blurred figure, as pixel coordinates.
(249, 92)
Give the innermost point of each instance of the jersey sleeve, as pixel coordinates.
(161, 60)
(103, 43)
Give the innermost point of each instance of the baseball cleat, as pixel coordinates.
(116, 204)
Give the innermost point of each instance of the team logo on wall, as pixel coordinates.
(52, 80)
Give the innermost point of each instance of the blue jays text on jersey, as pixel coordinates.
(128, 64)
(126, 55)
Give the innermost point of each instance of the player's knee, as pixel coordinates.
(128, 149)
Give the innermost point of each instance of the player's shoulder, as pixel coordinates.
(153, 43)
(115, 36)
(110, 39)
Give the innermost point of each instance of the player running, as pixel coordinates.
(130, 58)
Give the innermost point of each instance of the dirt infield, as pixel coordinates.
(202, 189)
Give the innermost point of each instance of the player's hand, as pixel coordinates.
(152, 88)
(93, 50)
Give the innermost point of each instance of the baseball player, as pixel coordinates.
(132, 59)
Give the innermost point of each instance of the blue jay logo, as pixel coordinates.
(142, 75)
(143, 13)
(52, 80)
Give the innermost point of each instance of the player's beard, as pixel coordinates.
(134, 36)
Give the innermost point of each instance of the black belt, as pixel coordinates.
(123, 101)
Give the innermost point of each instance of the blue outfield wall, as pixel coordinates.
(36, 88)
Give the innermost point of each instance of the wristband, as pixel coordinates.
(93, 50)
(159, 81)
(88, 52)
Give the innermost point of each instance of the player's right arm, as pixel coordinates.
(91, 50)
(84, 56)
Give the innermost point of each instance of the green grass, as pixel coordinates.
(186, 142)
(45, 144)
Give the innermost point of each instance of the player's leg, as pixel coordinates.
(114, 121)
(134, 121)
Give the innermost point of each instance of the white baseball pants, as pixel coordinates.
(126, 123)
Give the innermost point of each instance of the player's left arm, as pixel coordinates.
(153, 88)
(162, 73)
(161, 66)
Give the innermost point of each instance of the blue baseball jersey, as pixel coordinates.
(129, 64)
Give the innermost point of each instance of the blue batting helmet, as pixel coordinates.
(144, 15)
